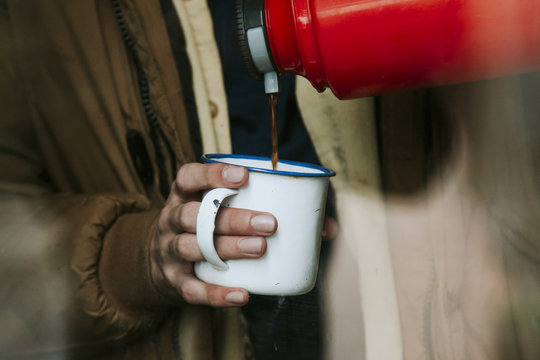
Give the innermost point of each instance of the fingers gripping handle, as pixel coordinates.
(206, 223)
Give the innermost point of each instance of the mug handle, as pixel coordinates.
(206, 218)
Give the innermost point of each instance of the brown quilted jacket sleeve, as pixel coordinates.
(50, 250)
(73, 267)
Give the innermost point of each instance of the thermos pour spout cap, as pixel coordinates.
(253, 43)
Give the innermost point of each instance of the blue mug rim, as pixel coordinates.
(215, 158)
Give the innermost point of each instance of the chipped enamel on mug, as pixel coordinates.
(295, 193)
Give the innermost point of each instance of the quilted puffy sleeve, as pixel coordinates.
(73, 268)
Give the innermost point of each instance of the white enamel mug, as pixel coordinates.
(295, 193)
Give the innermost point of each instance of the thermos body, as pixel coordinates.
(368, 47)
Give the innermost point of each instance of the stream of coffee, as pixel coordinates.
(272, 100)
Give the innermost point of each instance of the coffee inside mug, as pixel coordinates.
(264, 165)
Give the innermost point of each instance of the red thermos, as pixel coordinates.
(369, 47)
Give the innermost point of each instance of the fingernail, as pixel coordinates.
(233, 174)
(263, 223)
(235, 298)
(253, 246)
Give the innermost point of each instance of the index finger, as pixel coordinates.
(194, 177)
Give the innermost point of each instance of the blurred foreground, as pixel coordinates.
(439, 251)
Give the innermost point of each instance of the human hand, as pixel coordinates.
(330, 228)
(240, 233)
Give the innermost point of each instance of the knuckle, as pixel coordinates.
(163, 223)
(187, 214)
(215, 298)
(182, 174)
(164, 219)
(189, 293)
(213, 175)
(215, 172)
(186, 293)
(183, 246)
(170, 274)
(189, 177)
(234, 220)
(228, 247)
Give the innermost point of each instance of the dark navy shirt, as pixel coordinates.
(249, 110)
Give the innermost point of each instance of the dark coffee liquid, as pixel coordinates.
(272, 100)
